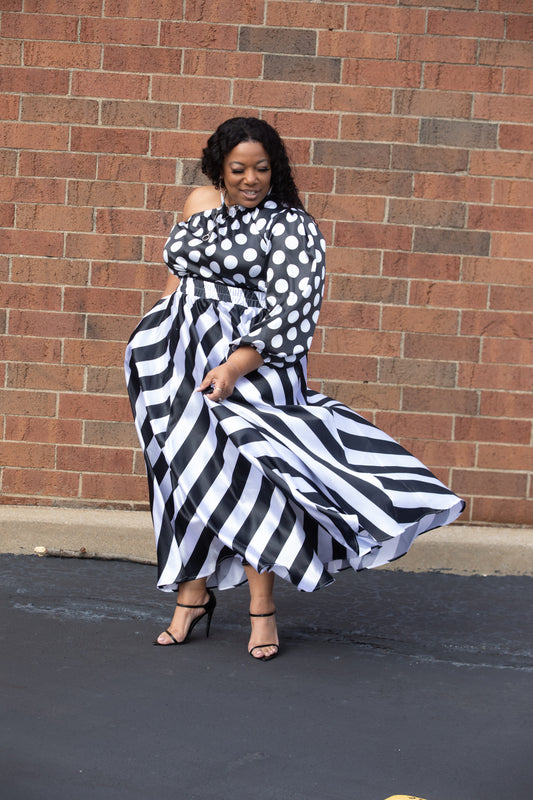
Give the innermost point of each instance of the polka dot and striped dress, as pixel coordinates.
(276, 476)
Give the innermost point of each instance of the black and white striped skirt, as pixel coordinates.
(276, 476)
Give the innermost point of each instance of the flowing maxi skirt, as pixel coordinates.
(276, 476)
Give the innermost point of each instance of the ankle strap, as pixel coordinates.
(262, 615)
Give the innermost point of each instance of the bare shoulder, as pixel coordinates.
(204, 198)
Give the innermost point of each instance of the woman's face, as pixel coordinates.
(247, 174)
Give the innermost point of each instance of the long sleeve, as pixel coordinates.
(294, 287)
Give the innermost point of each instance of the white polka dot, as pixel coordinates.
(241, 238)
(230, 262)
(225, 244)
(175, 246)
(281, 286)
(205, 272)
(316, 314)
(235, 225)
(238, 278)
(194, 256)
(305, 326)
(182, 262)
(210, 249)
(301, 229)
(309, 342)
(278, 229)
(298, 348)
(275, 323)
(291, 216)
(303, 257)
(255, 271)
(293, 317)
(292, 271)
(277, 341)
(291, 242)
(246, 218)
(215, 267)
(278, 257)
(306, 309)
(270, 274)
(194, 242)
(260, 224)
(292, 333)
(292, 299)
(249, 254)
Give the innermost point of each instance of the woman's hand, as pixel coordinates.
(220, 381)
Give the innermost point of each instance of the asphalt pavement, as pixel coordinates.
(387, 683)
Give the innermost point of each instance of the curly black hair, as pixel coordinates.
(251, 129)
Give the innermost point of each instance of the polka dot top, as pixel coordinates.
(270, 249)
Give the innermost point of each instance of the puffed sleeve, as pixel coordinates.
(295, 271)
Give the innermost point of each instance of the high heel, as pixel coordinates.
(260, 646)
(208, 607)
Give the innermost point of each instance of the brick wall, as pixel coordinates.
(408, 123)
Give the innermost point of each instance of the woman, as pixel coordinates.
(250, 473)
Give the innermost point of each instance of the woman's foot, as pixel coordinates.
(264, 641)
(185, 617)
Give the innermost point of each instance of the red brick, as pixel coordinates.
(183, 89)
(363, 396)
(429, 159)
(368, 289)
(119, 31)
(171, 197)
(505, 404)
(495, 323)
(104, 140)
(59, 109)
(23, 136)
(495, 511)
(489, 483)
(441, 454)
(382, 73)
(39, 26)
(503, 456)
(36, 190)
(497, 376)
(464, 23)
(23, 454)
(206, 118)
(32, 243)
(352, 43)
(425, 103)
(112, 460)
(423, 320)
(504, 164)
(443, 401)
(349, 315)
(463, 78)
(314, 179)
(356, 368)
(198, 35)
(505, 108)
(441, 348)
(516, 137)
(379, 128)
(373, 182)
(141, 9)
(109, 84)
(110, 434)
(133, 168)
(85, 7)
(506, 351)
(29, 404)
(478, 429)
(364, 343)
(49, 323)
(500, 218)
(8, 162)
(510, 245)
(113, 487)
(30, 349)
(122, 58)
(37, 483)
(353, 261)
(519, 6)
(512, 298)
(34, 216)
(106, 380)
(58, 165)
(404, 371)
(143, 114)
(52, 377)
(450, 240)
(448, 295)
(520, 28)
(7, 215)
(221, 64)
(510, 54)
(14, 295)
(115, 220)
(513, 193)
(418, 265)
(427, 212)
(326, 15)
(347, 98)
(108, 327)
(492, 270)
(452, 187)
(96, 353)
(80, 406)
(355, 234)
(91, 245)
(394, 20)
(518, 81)
(9, 107)
(436, 48)
(56, 272)
(92, 300)
(10, 53)
(415, 426)
(41, 429)
(346, 207)
(62, 55)
(106, 193)
(225, 11)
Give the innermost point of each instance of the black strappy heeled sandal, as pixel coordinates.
(208, 607)
(260, 646)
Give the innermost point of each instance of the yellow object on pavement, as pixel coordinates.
(403, 797)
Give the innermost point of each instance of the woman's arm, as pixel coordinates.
(223, 378)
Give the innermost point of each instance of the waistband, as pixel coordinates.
(213, 290)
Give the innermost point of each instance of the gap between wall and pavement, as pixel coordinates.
(128, 535)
